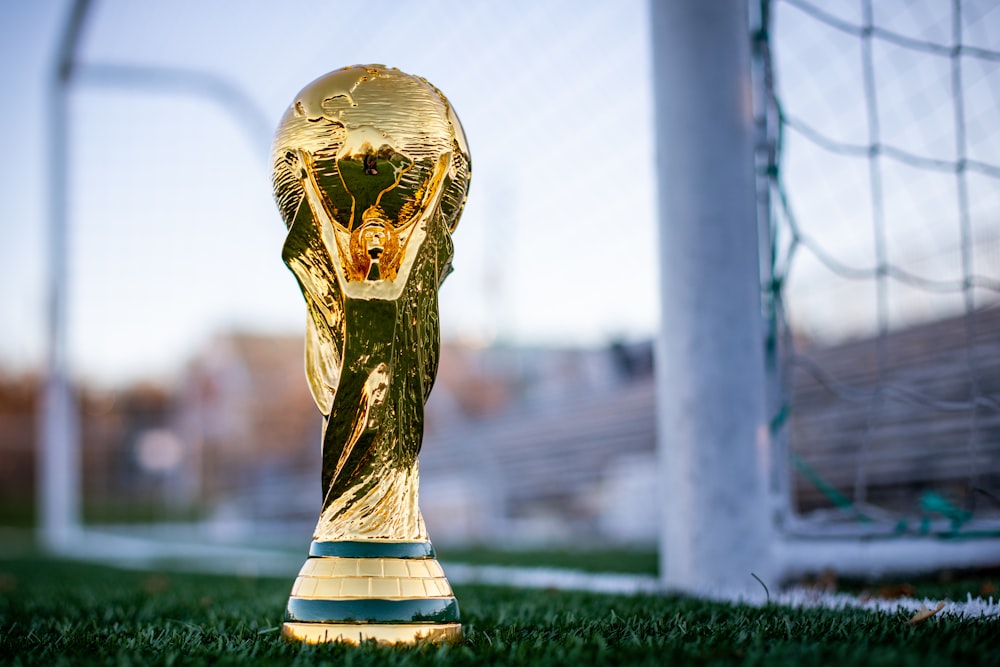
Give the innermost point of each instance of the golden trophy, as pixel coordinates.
(371, 171)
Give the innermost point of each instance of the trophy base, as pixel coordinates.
(383, 633)
(390, 592)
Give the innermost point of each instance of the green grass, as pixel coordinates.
(63, 613)
(20, 513)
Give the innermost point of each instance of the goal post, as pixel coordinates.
(713, 440)
(58, 476)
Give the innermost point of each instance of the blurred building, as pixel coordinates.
(906, 429)
(18, 400)
(531, 444)
(572, 454)
(245, 414)
(125, 449)
(910, 424)
(251, 432)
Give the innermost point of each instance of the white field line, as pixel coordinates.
(797, 597)
(811, 598)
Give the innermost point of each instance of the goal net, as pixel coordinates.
(879, 184)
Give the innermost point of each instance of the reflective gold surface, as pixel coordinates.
(356, 633)
(371, 172)
(384, 578)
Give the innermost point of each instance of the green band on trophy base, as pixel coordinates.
(425, 610)
(372, 549)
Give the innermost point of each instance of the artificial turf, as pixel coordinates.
(55, 612)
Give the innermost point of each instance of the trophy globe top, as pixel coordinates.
(379, 151)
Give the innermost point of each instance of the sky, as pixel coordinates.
(174, 235)
(175, 238)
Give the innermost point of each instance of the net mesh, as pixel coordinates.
(878, 181)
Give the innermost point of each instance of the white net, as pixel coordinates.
(880, 166)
